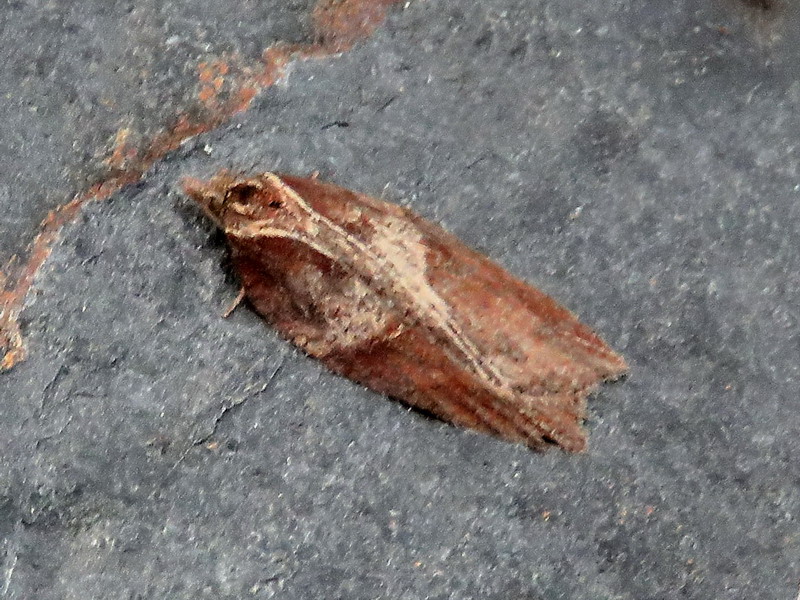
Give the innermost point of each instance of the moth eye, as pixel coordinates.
(252, 198)
(243, 193)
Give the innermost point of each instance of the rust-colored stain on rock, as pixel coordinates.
(339, 24)
(388, 299)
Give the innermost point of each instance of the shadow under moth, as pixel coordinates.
(394, 302)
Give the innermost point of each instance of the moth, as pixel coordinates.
(394, 302)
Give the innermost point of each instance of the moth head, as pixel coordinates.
(232, 201)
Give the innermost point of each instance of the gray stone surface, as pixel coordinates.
(636, 161)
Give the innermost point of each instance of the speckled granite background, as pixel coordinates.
(638, 161)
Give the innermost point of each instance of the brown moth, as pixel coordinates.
(392, 301)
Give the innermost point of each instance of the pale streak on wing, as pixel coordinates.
(426, 302)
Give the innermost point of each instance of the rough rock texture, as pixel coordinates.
(637, 161)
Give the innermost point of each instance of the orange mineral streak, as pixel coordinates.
(338, 26)
(212, 79)
(122, 151)
(12, 296)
